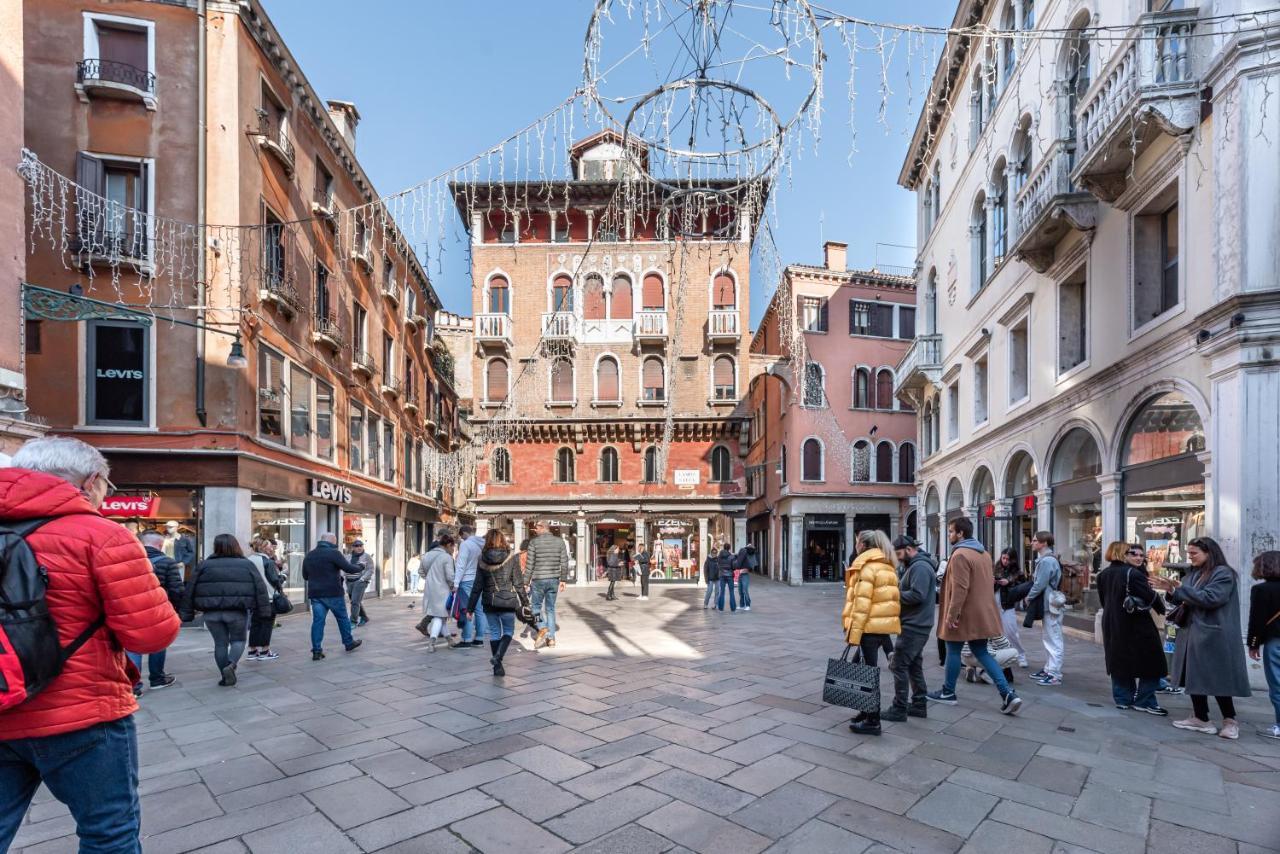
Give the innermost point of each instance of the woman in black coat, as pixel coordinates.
(1130, 640)
(227, 587)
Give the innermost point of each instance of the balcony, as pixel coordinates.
(392, 387)
(493, 329)
(391, 293)
(723, 325)
(410, 402)
(326, 207)
(328, 333)
(362, 254)
(1149, 87)
(363, 363)
(105, 78)
(1047, 207)
(559, 326)
(417, 320)
(920, 366)
(278, 289)
(651, 326)
(273, 137)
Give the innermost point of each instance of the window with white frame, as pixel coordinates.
(1073, 323)
(1020, 360)
(721, 465)
(884, 389)
(608, 386)
(981, 384)
(389, 450)
(653, 380)
(884, 462)
(860, 462)
(565, 465)
(355, 438)
(813, 314)
(815, 395)
(811, 461)
(296, 410)
(373, 445)
(724, 378)
(906, 463)
(609, 465)
(562, 385)
(500, 467)
(978, 242)
(1155, 259)
(119, 51)
(953, 411)
(122, 225)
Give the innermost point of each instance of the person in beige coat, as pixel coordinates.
(969, 615)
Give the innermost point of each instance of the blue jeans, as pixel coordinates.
(711, 591)
(338, 606)
(1123, 692)
(155, 664)
(744, 589)
(545, 590)
(501, 623)
(108, 817)
(983, 657)
(726, 583)
(1271, 670)
(476, 628)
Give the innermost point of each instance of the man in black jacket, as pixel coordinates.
(169, 573)
(917, 598)
(325, 570)
(745, 563)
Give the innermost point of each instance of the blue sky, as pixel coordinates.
(436, 82)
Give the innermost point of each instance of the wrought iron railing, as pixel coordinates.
(327, 328)
(272, 129)
(280, 286)
(362, 361)
(119, 73)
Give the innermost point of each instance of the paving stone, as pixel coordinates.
(606, 813)
(354, 802)
(531, 796)
(953, 809)
(699, 791)
(549, 763)
(1165, 837)
(783, 810)
(313, 761)
(213, 830)
(1065, 777)
(623, 748)
(842, 762)
(611, 777)
(632, 839)
(1023, 793)
(899, 832)
(701, 831)
(858, 789)
(694, 761)
(760, 778)
(172, 808)
(435, 842)
(397, 768)
(1255, 827)
(452, 721)
(914, 774)
(755, 748)
(993, 836)
(482, 752)
(278, 789)
(411, 823)
(288, 746)
(815, 836)
(1065, 829)
(309, 833)
(453, 782)
(697, 739)
(222, 777)
(502, 831)
(563, 739)
(1113, 808)
(428, 742)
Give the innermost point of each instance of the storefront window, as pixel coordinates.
(933, 522)
(984, 493)
(299, 410)
(355, 433)
(1168, 426)
(175, 513)
(271, 395)
(1077, 514)
(824, 547)
(118, 367)
(1163, 521)
(285, 523)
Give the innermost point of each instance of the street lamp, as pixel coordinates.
(236, 358)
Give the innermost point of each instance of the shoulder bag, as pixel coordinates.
(280, 603)
(852, 684)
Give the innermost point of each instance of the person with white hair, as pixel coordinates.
(77, 734)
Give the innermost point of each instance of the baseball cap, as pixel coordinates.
(903, 541)
(355, 543)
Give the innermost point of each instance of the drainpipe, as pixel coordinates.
(202, 74)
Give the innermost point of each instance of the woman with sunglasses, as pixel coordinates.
(1208, 659)
(1130, 640)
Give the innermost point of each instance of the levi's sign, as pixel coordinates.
(129, 506)
(327, 490)
(119, 374)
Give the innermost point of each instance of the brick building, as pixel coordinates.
(329, 427)
(832, 451)
(600, 328)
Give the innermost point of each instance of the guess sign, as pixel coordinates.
(327, 490)
(130, 506)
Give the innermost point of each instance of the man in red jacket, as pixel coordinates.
(77, 735)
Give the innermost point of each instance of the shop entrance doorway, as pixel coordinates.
(606, 535)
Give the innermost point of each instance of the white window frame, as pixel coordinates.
(825, 401)
(952, 399)
(595, 380)
(1021, 319)
(822, 460)
(1083, 365)
(983, 357)
(485, 401)
(287, 417)
(147, 266)
(573, 383)
(1138, 210)
(666, 381)
(711, 289)
(871, 459)
(91, 48)
(711, 380)
(82, 407)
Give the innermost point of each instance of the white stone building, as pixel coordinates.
(1099, 233)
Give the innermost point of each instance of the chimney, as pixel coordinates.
(835, 255)
(346, 117)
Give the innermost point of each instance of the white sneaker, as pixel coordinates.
(1271, 732)
(644, 598)
(1196, 725)
(746, 607)
(1022, 662)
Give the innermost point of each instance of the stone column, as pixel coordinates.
(796, 563)
(704, 545)
(739, 532)
(849, 533)
(1044, 509)
(1011, 215)
(228, 508)
(988, 211)
(584, 553)
(517, 531)
(1112, 524)
(1003, 527)
(640, 531)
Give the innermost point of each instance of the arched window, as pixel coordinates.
(1076, 75)
(500, 469)
(1028, 14)
(724, 379)
(499, 295)
(1021, 478)
(723, 292)
(562, 293)
(811, 460)
(955, 497)
(607, 388)
(721, 465)
(814, 393)
(1167, 426)
(652, 297)
(562, 390)
(884, 462)
(620, 302)
(906, 463)
(650, 465)
(1076, 457)
(1021, 155)
(978, 242)
(926, 432)
(609, 465)
(1008, 46)
(495, 381)
(860, 462)
(977, 112)
(782, 464)
(593, 304)
(931, 302)
(999, 213)
(564, 465)
(884, 389)
(862, 389)
(653, 380)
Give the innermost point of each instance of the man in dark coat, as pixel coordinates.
(169, 573)
(325, 570)
(1130, 641)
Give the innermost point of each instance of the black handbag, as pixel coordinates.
(502, 600)
(852, 684)
(280, 603)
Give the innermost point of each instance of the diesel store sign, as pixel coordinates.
(327, 490)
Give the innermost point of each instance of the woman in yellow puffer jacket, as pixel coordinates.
(871, 607)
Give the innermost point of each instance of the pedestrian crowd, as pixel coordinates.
(891, 590)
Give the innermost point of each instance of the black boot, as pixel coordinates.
(869, 725)
(919, 708)
(895, 713)
(493, 649)
(502, 651)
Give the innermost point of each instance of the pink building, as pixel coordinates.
(832, 450)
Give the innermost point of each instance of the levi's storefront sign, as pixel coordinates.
(328, 490)
(130, 506)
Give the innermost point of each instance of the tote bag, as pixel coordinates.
(852, 684)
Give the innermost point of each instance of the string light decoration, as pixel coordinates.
(716, 152)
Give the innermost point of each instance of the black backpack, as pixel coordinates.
(30, 655)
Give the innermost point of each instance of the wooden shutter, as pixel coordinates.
(884, 390)
(906, 323)
(91, 175)
(652, 298)
(884, 463)
(882, 320)
(607, 380)
(124, 45)
(906, 464)
(562, 294)
(861, 389)
(562, 380)
(653, 378)
(723, 372)
(496, 389)
(593, 299)
(499, 302)
(811, 460)
(621, 298)
(722, 292)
